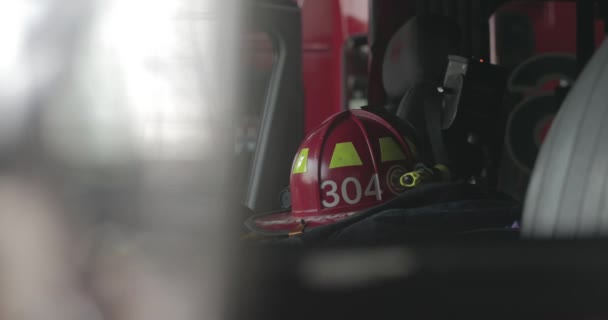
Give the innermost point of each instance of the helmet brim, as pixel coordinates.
(279, 223)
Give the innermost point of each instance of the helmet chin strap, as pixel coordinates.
(300, 228)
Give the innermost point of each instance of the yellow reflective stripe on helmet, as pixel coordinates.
(344, 155)
(301, 162)
(390, 150)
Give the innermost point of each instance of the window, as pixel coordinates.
(258, 61)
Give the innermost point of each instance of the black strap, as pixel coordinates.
(432, 113)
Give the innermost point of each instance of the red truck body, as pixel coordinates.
(326, 27)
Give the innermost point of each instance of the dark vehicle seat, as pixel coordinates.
(415, 63)
(568, 193)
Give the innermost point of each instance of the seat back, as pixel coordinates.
(414, 64)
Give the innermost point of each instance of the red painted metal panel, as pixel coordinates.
(326, 25)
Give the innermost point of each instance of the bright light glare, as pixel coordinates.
(16, 18)
(162, 69)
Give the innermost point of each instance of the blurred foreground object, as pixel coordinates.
(114, 147)
(427, 280)
(39, 267)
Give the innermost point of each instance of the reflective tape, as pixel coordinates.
(345, 155)
(301, 162)
(390, 150)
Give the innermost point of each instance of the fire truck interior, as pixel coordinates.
(517, 119)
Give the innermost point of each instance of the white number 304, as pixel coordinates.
(372, 189)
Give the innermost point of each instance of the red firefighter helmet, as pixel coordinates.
(351, 162)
